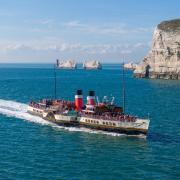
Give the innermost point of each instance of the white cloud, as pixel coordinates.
(39, 25)
(99, 29)
(126, 51)
(50, 45)
(75, 24)
(139, 44)
(19, 50)
(46, 21)
(113, 29)
(62, 47)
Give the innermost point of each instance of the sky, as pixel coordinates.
(111, 31)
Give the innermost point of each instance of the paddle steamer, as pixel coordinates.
(104, 115)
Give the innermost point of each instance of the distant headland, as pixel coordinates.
(163, 60)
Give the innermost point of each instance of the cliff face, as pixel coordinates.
(130, 66)
(163, 60)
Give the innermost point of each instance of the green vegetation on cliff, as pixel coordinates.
(171, 25)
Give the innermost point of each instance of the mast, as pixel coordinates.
(55, 84)
(123, 89)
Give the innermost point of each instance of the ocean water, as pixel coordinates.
(31, 148)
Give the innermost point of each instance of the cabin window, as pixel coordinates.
(97, 122)
(91, 121)
(114, 124)
(103, 122)
(110, 123)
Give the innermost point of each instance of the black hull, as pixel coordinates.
(115, 130)
(65, 124)
(128, 131)
(101, 128)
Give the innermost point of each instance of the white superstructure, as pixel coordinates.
(138, 124)
(60, 117)
(35, 110)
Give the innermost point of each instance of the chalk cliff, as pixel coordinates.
(163, 60)
(130, 66)
(68, 64)
(92, 64)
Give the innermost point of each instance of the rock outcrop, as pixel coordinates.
(69, 64)
(92, 65)
(163, 60)
(130, 66)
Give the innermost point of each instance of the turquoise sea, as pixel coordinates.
(31, 148)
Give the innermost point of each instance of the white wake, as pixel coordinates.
(19, 110)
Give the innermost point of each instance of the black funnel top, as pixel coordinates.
(91, 93)
(79, 92)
